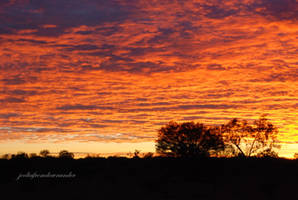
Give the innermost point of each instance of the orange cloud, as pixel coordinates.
(118, 70)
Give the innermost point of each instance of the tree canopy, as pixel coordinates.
(44, 153)
(247, 140)
(188, 139)
(65, 154)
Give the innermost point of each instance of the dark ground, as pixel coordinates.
(152, 178)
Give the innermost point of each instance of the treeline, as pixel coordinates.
(236, 138)
(42, 154)
(65, 154)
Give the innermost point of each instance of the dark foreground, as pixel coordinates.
(152, 178)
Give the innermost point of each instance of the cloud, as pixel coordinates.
(112, 137)
(193, 118)
(82, 47)
(133, 65)
(34, 42)
(82, 107)
(12, 100)
(209, 106)
(131, 40)
(21, 92)
(8, 115)
(215, 67)
(29, 130)
(278, 9)
(37, 14)
(183, 107)
(14, 81)
(217, 12)
(154, 104)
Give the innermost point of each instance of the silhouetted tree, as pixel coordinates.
(295, 155)
(188, 139)
(267, 153)
(6, 156)
(148, 155)
(249, 140)
(136, 154)
(33, 155)
(20, 155)
(44, 153)
(65, 154)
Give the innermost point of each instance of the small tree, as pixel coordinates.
(65, 154)
(136, 154)
(188, 139)
(295, 155)
(44, 153)
(250, 140)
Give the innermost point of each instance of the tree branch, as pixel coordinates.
(240, 150)
(253, 143)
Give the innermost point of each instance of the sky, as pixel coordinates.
(103, 76)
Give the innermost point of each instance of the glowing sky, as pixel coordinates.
(112, 72)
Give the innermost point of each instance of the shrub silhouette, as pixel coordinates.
(44, 153)
(65, 154)
(188, 139)
(136, 154)
(20, 155)
(250, 140)
(33, 155)
(6, 156)
(267, 153)
(148, 155)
